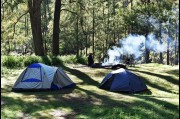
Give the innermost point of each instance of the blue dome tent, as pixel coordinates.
(123, 80)
(39, 76)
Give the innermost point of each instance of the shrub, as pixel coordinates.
(46, 60)
(31, 59)
(56, 60)
(69, 59)
(11, 61)
(82, 60)
(23, 61)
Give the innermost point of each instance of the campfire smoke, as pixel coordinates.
(134, 45)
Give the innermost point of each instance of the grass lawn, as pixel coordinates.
(87, 101)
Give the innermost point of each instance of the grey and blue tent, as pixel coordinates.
(38, 76)
(124, 81)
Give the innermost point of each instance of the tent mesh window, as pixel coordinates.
(32, 73)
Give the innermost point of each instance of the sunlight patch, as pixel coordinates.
(23, 115)
(2, 102)
(62, 114)
(96, 101)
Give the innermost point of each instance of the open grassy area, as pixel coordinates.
(87, 101)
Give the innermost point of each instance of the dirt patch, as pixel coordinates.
(61, 114)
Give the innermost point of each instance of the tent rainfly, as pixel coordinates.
(124, 81)
(39, 76)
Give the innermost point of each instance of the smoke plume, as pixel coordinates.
(134, 45)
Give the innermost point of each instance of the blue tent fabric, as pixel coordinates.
(35, 65)
(42, 77)
(54, 87)
(123, 80)
(32, 80)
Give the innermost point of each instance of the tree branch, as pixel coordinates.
(18, 21)
(69, 11)
(5, 1)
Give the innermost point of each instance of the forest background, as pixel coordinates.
(77, 28)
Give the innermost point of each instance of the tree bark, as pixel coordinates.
(56, 29)
(147, 32)
(86, 43)
(93, 34)
(77, 36)
(107, 40)
(35, 18)
(147, 51)
(168, 46)
(161, 56)
(114, 13)
(167, 52)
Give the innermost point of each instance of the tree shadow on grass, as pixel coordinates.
(167, 78)
(165, 104)
(86, 79)
(46, 91)
(89, 103)
(173, 72)
(86, 104)
(154, 85)
(127, 106)
(6, 88)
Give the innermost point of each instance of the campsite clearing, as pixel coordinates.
(86, 100)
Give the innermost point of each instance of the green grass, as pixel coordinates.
(87, 101)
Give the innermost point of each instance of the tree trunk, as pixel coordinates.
(25, 26)
(169, 36)
(56, 29)
(27, 20)
(167, 52)
(86, 43)
(161, 56)
(45, 5)
(81, 45)
(147, 32)
(177, 46)
(35, 18)
(147, 51)
(107, 40)
(177, 43)
(77, 36)
(93, 33)
(114, 13)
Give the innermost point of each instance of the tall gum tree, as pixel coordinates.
(56, 28)
(35, 18)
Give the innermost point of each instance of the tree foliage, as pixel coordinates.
(85, 25)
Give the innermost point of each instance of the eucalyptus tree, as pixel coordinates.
(73, 27)
(56, 29)
(163, 13)
(46, 18)
(34, 7)
(162, 18)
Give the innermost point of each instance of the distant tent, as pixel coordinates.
(39, 76)
(123, 80)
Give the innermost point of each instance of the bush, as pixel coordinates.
(46, 60)
(56, 60)
(23, 61)
(11, 61)
(82, 60)
(31, 59)
(69, 59)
